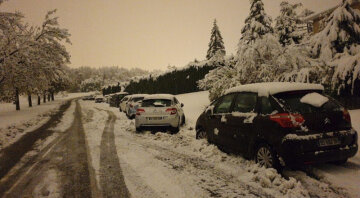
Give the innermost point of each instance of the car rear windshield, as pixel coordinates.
(156, 103)
(291, 102)
(137, 99)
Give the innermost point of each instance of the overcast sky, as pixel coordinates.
(150, 34)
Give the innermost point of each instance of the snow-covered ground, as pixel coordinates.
(164, 165)
(13, 124)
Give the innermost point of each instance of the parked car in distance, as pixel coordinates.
(280, 124)
(85, 98)
(162, 110)
(132, 104)
(99, 99)
(123, 103)
(116, 97)
(90, 97)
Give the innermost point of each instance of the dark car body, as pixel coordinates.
(116, 98)
(298, 133)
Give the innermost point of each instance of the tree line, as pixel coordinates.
(177, 81)
(32, 58)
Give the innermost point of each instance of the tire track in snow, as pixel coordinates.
(67, 155)
(111, 177)
(215, 182)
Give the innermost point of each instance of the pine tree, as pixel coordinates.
(286, 24)
(257, 24)
(216, 45)
(339, 45)
(342, 31)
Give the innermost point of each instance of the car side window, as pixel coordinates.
(245, 102)
(224, 105)
(266, 107)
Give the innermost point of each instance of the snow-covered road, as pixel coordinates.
(124, 163)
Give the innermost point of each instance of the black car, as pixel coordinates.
(280, 123)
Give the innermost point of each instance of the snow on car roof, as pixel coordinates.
(159, 96)
(271, 88)
(138, 95)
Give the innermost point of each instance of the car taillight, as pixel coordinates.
(346, 115)
(288, 120)
(172, 111)
(139, 111)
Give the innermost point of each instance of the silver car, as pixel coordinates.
(123, 103)
(132, 104)
(160, 110)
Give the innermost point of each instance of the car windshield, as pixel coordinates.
(291, 101)
(156, 103)
(137, 99)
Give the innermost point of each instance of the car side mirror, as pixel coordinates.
(209, 110)
(182, 104)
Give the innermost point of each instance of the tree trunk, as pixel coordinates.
(49, 97)
(17, 101)
(44, 98)
(30, 100)
(52, 96)
(39, 99)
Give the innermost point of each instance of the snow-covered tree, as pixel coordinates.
(257, 24)
(339, 45)
(286, 24)
(341, 33)
(265, 60)
(216, 45)
(32, 58)
(220, 79)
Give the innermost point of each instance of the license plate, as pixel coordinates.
(329, 142)
(155, 118)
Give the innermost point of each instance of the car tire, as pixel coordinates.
(175, 130)
(183, 120)
(138, 129)
(267, 157)
(340, 162)
(201, 134)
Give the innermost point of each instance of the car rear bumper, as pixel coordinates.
(166, 121)
(306, 150)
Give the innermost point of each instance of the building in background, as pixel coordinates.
(317, 21)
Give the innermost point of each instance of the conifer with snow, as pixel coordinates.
(216, 45)
(286, 24)
(339, 45)
(257, 24)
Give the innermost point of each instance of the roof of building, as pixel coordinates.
(325, 12)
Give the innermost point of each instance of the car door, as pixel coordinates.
(239, 126)
(217, 120)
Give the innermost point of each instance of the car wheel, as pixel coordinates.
(340, 162)
(138, 129)
(201, 134)
(265, 156)
(176, 129)
(183, 120)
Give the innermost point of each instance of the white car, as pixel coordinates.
(132, 104)
(123, 103)
(162, 110)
